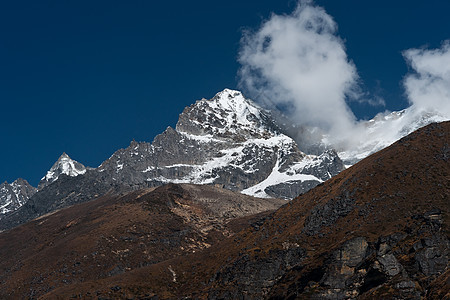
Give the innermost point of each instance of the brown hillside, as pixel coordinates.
(116, 234)
(377, 230)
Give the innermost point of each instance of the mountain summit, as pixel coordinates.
(64, 165)
(228, 141)
(227, 115)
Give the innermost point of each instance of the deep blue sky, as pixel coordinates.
(87, 77)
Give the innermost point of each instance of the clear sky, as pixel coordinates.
(87, 77)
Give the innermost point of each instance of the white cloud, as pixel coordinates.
(428, 88)
(298, 61)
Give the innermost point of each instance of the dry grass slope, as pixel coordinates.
(116, 234)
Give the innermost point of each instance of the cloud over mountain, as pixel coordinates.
(429, 87)
(298, 61)
(297, 64)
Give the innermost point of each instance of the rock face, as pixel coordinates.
(64, 165)
(378, 230)
(226, 141)
(14, 195)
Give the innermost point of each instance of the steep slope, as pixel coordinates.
(64, 165)
(377, 230)
(227, 140)
(14, 195)
(116, 234)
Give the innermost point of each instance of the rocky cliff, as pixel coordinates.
(226, 141)
(229, 141)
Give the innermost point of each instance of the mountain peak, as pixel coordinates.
(227, 94)
(14, 195)
(233, 100)
(64, 165)
(227, 114)
(64, 156)
(228, 141)
(239, 109)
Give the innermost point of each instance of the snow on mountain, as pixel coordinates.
(14, 195)
(64, 165)
(228, 141)
(386, 128)
(231, 142)
(228, 114)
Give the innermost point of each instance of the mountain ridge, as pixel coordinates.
(227, 134)
(227, 140)
(377, 230)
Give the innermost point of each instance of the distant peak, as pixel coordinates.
(229, 93)
(64, 155)
(227, 115)
(228, 96)
(64, 165)
(234, 101)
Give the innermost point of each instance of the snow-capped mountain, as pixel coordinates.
(228, 141)
(386, 128)
(64, 165)
(14, 195)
